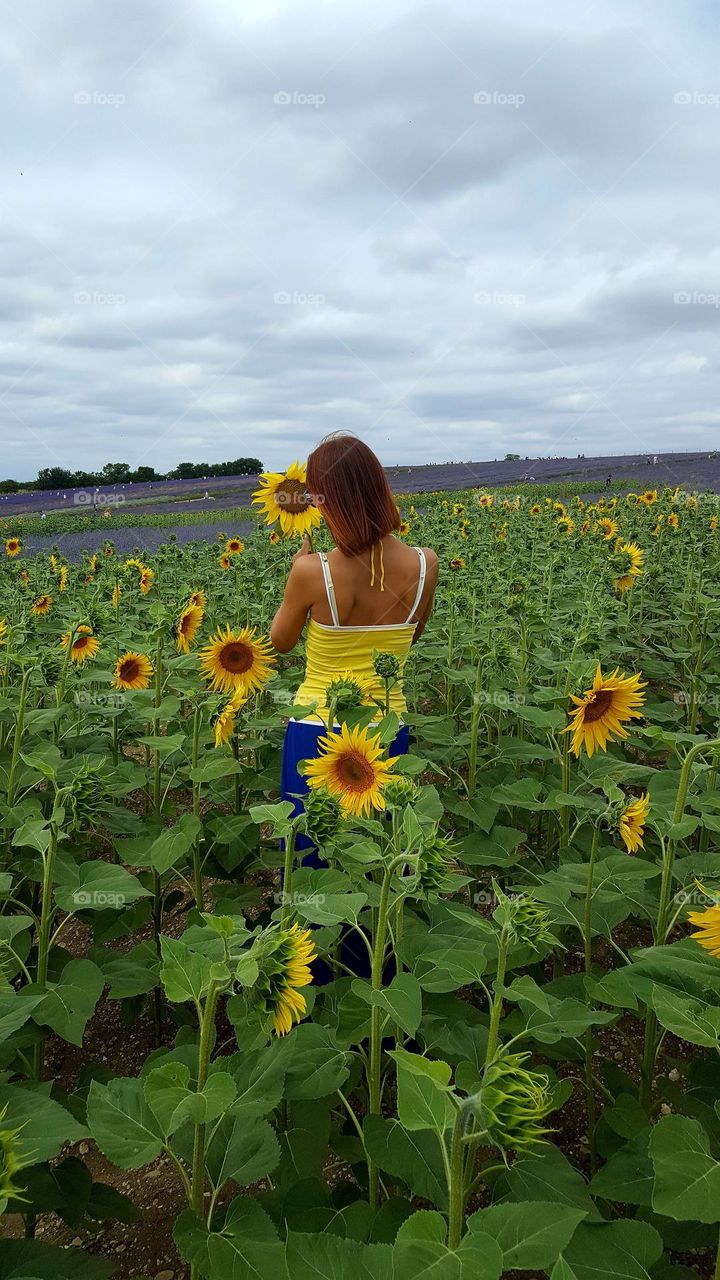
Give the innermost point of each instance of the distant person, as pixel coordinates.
(655, 459)
(43, 516)
(608, 482)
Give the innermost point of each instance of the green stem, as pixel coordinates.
(375, 1015)
(288, 877)
(196, 860)
(43, 957)
(207, 1028)
(587, 939)
(497, 1003)
(456, 1214)
(17, 742)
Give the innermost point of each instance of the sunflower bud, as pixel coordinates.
(323, 815)
(11, 1162)
(512, 1103)
(88, 792)
(345, 693)
(526, 921)
(400, 791)
(386, 666)
(434, 865)
(283, 957)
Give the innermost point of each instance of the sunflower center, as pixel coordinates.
(354, 772)
(601, 702)
(81, 642)
(293, 496)
(236, 657)
(186, 623)
(130, 669)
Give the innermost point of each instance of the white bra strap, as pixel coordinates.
(329, 589)
(421, 582)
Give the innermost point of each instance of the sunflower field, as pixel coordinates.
(482, 1038)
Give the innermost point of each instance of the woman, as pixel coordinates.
(371, 593)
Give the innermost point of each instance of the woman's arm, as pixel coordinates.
(433, 567)
(300, 593)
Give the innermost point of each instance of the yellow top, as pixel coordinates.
(331, 651)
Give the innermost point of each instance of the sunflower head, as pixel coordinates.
(132, 671)
(346, 692)
(224, 561)
(600, 713)
(631, 822)
(283, 957)
(237, 661)
(457, 563)
(434, 864)
(224, 725)
(386, 666)
(234, 547)
(351, 767)
(607, 527)
(41, 605)
(400, 791)
(187, 627)
(707, 929)
(284, 499)
(512, 1103)
(82, 645)
(12, 1160)
(13, 547)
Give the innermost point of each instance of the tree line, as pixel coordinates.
(122, 473)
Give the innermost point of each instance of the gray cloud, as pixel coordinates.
(456, 231)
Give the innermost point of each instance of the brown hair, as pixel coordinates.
(353, 493)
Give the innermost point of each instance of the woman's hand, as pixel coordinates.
(305, 550)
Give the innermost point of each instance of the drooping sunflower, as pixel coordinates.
(198, 599)
(284, 498)
(146, 580)
(236, 661)
(283, 957)
(631, 557)
(600, 713)
(224, 725)
(274, 538)
(42, 604)
(713, 524)
(115, 597)
(132, 671)
(673, 520)
(708, 928)
(24, 577)
(224, 562)
(565, 525)
(632, 823)
(352, 768)
(187, 626)
(13, 546)
(3, 629)
(83, 645)
(607, 527)
(234, 547)
(63, 576)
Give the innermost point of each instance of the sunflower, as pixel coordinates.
(63, 577)
(584, 527)
(82, 645)
(535, 509)
(225, 719)
(13, 546)
(565, 525)
(283, 497)
(632, 823)
(42, 604)
(198, 599)
(283, 957)
(403, 528)
(146, 580)
(632, 566)
(116, 594)
(108, 549)
(604, 707)
(648, 498)
(713, 524)
(224, 562)
(274, 538)
(54, 563)
(485, 500)
(502, 533)
(239, 661)
(351, 769)
(187, 626)
(93, 563)
(24, 577)
(708, 932)
(3, 629)
(132, 671)
(234, 547)
(607, 527)
(457, 562)
(673, 520)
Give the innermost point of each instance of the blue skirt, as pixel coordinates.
(301, 743)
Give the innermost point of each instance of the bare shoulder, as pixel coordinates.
(431, 560)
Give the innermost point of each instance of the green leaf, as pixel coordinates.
(690, 1019)
(122, 1123)
(414, 1157)
(99, 886)
(16, 1007)
(531, 1234)
(624, 1250)
(45, 1125)
(33, 1260)
(687, 1177)
(423, 1092)
(550, 1176)
(244, 1148)
(628, 1175)
(185, 974)
(317, 1067)
(174, 843)
(402, 1000)
(69, 1003)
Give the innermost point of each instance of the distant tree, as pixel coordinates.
(115, 472)
(143, 474)
(9, 486)
(512, 457)
(54, 478)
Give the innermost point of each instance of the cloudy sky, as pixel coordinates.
(458, 229)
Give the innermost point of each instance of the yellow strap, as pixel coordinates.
(372, 565)
(382, 566)
(382, 569)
